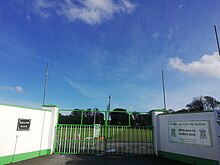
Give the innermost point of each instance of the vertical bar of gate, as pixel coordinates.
(119, 139)
(128, 136)
(79, 137)
(93, 137)
(109, 141)
(57, 139)
(152, 141)
(116, 137)
(106, 131)
(60, 144)
(103, 139)
(150, 137)
(148, 140)
(84, 138)
(70, 139)
(137, 141)
(133, 140)
(124, 138)
(65, 139)
(88, 141)
(142, 144)
(74, 143)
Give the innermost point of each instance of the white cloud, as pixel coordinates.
(88, 11)
(208, 65)
(171, 31)
(155, 35)
(84, 89)
(17, 89)
(19, 102)
(180, 6)
(41, 7)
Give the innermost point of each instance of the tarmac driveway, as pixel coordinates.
(98, 160)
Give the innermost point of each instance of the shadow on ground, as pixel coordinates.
(98, 160)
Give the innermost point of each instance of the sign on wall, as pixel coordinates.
(23, 124)
(191, 132)
(96, 131)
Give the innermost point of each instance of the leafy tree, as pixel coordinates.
(99, 119)
(89, 117)
(75, 117)
(63, 119)
(202, 103)
(210, 103)
(119, 116)
(138, 119)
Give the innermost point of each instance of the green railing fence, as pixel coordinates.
(88, 133)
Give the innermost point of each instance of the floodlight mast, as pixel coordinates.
(45, 84)
(109, 107)
(216, 35)
(45, 87)
(164, 95)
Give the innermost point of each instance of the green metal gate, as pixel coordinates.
(103, 138)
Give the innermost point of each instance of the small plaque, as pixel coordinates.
(23, 124)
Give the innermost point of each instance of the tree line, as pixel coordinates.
(200, 104)
(118, 116)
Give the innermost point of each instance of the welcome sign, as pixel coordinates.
(23, 124)
(191, 132)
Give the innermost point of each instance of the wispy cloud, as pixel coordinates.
(19, 102)
(180, 6)
(84, 89)
(155, 35)
(171, 31)
(14, 49)
(88, 11)
(17, 89)
(208, 65)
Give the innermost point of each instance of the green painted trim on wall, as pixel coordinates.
(177, 113)
(187, 158)
(25, 107)
(19, 157)
(50, 106)
(158, 110)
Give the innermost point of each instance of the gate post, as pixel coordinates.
(156, 128)
(106, 131)
(53, 124)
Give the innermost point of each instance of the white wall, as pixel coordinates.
(53, 123)
(195, 150)
(19, 142)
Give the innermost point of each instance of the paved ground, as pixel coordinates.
(97, 160)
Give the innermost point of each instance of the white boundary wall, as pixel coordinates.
(186, 139)
(38, 139)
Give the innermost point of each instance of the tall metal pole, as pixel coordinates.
(109, 107)
(45, 84)
(45, 87)
(164, 95)
(109, 102)
(216, 35)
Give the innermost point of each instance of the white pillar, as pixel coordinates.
(53, 124)
(217, 128)
(156, 129)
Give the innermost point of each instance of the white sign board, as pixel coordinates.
(96, 131)
(191, 132)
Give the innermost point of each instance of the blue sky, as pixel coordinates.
(100, 47)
